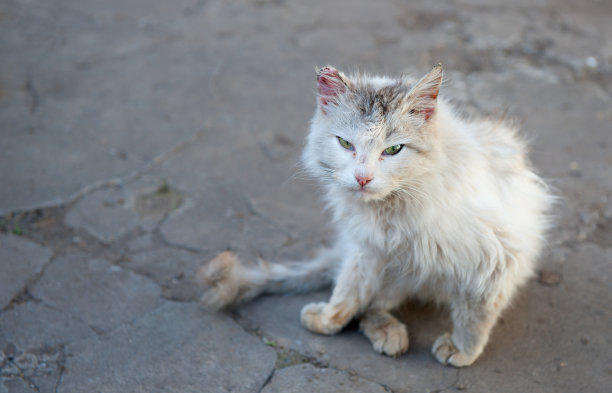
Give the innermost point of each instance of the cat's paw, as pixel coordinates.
(390, 339)
(317, 318)
(447, 353)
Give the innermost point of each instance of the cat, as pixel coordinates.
(426, 205)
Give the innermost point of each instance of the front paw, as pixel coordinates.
(447, 353)
(319, 318)
(390, 338)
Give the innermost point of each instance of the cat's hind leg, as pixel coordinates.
(388, 335)
(472, 324)
(229, 281)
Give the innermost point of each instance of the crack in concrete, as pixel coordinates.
(23, 377)
(62, 369)
(32, 93)
(26, 290)
(24, 295)
(115, 252)
(312, 360)
(160, 236)
(31, 297)
(28, 374)
(267, 381)
(453, 385)
(113, 181)
(254, 211)
(59, 380)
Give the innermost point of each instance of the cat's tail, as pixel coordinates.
(228, 281)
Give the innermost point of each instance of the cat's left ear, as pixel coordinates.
(422, 99)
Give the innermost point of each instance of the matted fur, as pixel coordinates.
(457, 216)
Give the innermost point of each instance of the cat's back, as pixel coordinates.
(500, 189)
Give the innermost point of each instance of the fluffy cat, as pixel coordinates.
(426, 204)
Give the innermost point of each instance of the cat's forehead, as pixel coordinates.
(375, 98)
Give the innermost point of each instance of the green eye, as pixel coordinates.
(392, 150)
(346, 144)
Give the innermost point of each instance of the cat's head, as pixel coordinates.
(373, 136)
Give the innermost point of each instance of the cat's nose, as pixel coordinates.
(363, 180)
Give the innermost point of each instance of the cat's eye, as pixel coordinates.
(392, 150)
(346, 144)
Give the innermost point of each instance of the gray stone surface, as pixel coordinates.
(166, 132)
(96, 292)
(31, 371)
(65, 122)
(350, 350)
(32, 326)
(110, 213)
(172, 269)
(105, 214)
(305, 378)
(221, 216)
(175, 348)
(20, 261)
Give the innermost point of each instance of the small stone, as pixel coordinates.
(549, 278)
(9, 370)
(26, 361)
(461, 387)
(591, 62)
(10, 350)
(582, 235)
(574, 168)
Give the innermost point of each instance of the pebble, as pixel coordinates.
(549, 278)
(591, 62)
(26, 361)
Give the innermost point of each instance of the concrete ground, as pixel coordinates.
(140, 138)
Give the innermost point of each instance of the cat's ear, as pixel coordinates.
(330, 84)
(422, 99)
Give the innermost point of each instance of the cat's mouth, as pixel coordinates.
(365, 194)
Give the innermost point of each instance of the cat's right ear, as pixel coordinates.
(423, 97)
(330, 84)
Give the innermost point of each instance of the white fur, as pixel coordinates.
(456, 216)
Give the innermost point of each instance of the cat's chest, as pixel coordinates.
(386, 232)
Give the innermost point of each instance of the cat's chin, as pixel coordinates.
(366, 195)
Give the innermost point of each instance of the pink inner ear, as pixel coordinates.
(427, 101)
(330, 84)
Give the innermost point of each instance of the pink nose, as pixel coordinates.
(362, 180)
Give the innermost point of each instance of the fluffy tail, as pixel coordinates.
(230, 282)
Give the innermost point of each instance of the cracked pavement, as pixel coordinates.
(140, 138)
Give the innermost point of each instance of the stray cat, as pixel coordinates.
(426, 204)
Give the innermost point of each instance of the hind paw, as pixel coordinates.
(388, 335)
(391, 340)
(447, 353)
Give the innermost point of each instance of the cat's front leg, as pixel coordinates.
(354, 289)
(473, 320)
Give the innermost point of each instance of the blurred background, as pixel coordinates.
(153, 134)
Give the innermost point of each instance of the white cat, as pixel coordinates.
(426, 205)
